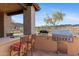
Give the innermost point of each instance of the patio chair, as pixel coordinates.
(19, 48)
(26, 45)
(31, 44)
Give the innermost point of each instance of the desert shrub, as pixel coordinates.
(43, 31)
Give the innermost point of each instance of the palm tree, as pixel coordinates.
(56, 18)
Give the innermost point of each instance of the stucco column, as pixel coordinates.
(5, 24)
(29, 20)
(1, 24)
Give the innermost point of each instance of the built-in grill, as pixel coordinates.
(65, 35)
(62, 37)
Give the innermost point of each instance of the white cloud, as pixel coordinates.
(71, 18)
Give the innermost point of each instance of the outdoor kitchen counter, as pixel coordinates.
(5, 44)
(46, 43)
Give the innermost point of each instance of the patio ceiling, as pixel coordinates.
(16, 8)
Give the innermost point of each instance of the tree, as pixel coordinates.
(47, 19)
(55, 19)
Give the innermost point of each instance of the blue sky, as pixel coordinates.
(70, 9)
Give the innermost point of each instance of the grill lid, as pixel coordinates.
(63, 32)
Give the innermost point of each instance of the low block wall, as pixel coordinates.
(73, 47)
(5, 48)
(45, 43)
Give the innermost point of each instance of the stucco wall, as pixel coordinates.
(46, 44)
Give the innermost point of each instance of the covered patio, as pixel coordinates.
(28, 10)
(6, 11)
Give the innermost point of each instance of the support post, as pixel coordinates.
(29, 20)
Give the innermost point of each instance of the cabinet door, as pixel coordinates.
(62, 47)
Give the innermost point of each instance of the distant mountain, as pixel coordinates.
(62, 25)
(76, 25)
(18, 24)
(21, 25)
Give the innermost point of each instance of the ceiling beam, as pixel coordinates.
(15, 12)
(23, 5)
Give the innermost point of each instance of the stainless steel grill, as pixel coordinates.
(65, 35)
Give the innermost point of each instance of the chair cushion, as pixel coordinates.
(16, 46)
